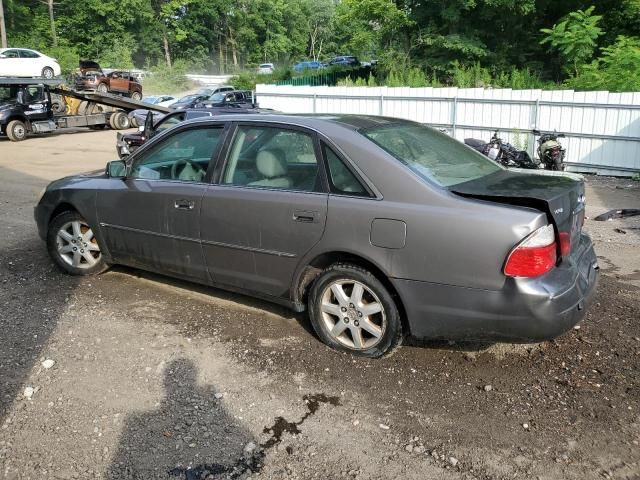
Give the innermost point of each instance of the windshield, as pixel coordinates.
(217, 97)
(431, 154)
(187, 99)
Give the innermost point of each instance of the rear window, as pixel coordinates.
(431, 154)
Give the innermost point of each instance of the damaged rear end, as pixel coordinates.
(554, 267)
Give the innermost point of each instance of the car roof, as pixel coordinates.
(351, 122)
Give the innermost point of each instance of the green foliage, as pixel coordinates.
(575, 36)
(617, 70)
(164, 79)
(466, 43)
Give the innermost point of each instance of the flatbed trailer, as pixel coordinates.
(26, 108)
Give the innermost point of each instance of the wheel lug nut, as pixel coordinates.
(351, 305)
(75, 248)
(81, 251)
(346, 319)
(360, 314)
(356, 323)
(73, 241)
(343, 309)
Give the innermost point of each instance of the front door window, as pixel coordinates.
(182, 157)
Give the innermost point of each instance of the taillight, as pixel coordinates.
(565, 244)
(534, 256)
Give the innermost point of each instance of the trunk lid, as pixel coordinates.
(560, 196)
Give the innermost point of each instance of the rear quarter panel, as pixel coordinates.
(449, 239)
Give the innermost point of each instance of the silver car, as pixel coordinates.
(379, 227)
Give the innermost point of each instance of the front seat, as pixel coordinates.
(272, 165)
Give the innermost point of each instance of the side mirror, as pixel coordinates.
(117, 169)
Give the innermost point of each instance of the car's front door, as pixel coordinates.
(266, 210)
(11, 65)
(37, 103)
(151, 219)
(119, 82)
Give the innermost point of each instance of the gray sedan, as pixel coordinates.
(379, 227)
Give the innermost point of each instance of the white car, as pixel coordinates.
(22, 62)
(266, 68)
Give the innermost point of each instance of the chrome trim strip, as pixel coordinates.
(250, 249)
(205, 242)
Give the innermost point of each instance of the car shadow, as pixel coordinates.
(34, 294)
(188, 436)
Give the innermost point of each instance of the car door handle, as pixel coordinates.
(305, 216)
(184, 204)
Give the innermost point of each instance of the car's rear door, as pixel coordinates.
(152, 218)
(266, 209)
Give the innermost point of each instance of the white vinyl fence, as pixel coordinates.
(602, 129)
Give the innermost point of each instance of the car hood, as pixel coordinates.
(72, 179)
(559, 195)
(89, 65)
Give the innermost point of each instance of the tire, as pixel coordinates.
(102, 88)
(47, 72)
(340, 323)
(68, 231)
(133, 123)
(16, 130)
(119, 121)
(58, 107)
(136, 96)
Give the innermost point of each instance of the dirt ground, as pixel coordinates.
(157, 378)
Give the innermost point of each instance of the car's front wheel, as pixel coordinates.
(351, 310)
(47, 72)
(102, 88)
(16, 130)
(136, 96)
(73, 245)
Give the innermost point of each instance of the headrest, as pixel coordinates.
(271, 163)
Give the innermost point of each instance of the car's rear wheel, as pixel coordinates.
(47, 72)
(16, 130)
(136, 96)
(351, 310)
(73, 245)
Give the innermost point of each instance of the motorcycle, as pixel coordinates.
(502, 152)
(550, 151)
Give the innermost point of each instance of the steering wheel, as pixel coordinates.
(178, 167)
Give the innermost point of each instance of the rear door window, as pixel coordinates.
(341, 179)
(272, 157)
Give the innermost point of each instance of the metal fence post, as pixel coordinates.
(536, 118)
(315, 97)
(454, 117)
(381, 107)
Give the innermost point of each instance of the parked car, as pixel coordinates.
(266, 68)
(208, 91)
(345, 60)
(307, 65)
(23, 62)
(188, 101)
(151, 125)
(155, 99)
(93, 79)
(379, 227)
(221, 99)
(158, 122)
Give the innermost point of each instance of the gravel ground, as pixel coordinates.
(130, 375)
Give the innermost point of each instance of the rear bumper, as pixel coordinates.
(524, 310)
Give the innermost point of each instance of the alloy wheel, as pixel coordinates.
(77, 245)
(353, 314)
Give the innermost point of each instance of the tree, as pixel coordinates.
(575, 37)
(618, 69)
